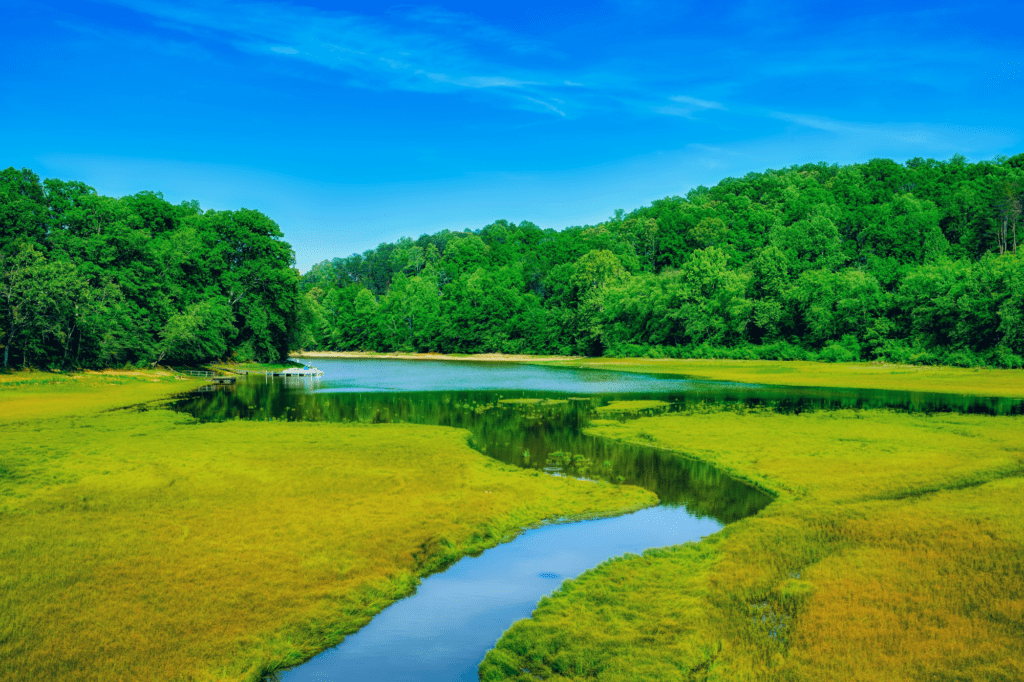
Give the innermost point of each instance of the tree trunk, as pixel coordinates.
(67, 345)
(1015, 230)
(7, 346)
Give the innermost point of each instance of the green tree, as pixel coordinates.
(21, 293)
(198, 332)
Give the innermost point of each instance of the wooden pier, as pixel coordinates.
(196, 373)
(304, 372)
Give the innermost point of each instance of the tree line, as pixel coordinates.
(913, 262)
(93, 281)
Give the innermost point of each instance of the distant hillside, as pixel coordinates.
(908, 263)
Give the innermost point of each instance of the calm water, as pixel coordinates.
(442, 632)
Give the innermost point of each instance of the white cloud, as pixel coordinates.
(686, 106)
(923, 138)
(470, 28)
(418, 56)
(546, 106)
(818, 122)
(697, 103)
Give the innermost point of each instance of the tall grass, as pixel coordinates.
(894, 551)
(140, 545)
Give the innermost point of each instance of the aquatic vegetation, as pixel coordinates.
(893, 551)
(142, 544)
(632, 407)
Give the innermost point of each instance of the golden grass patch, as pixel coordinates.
(632, 407)
(142, 545)
(895, 550)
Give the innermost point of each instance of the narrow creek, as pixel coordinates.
(533, 417)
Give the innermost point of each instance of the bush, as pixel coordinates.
(782, 350)
(901, 353)
(1003, 357)
(846, 350)
(962, 358)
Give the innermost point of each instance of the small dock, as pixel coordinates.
(213, 377)
(306, 371)
(202, 373)
(231, 375)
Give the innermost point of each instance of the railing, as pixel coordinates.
(196, 372)
(233, 371)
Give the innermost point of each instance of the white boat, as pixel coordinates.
(306, 371)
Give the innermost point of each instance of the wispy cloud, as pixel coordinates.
(686, 106)
(470, 28)
(697, 103)
(182, 49)
(927, 138)
(431, 49)
(818, 122)
(372, 53)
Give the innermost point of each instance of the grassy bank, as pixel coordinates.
(141, 545)
(895, 551)
(1007, 383)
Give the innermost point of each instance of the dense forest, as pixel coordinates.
(91, 281)
(877, 261)
(912, 262)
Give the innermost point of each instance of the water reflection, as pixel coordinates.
(532, 417)
(547, 435)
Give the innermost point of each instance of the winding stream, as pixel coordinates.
(531, 416)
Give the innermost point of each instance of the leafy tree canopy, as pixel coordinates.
(911, 262)
(91, 281)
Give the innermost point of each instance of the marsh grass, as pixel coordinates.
(963, 381)
(141, 545)
(894, 551)
(632, 407)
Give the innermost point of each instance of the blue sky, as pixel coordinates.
(355, 123)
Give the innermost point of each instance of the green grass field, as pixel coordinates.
(139, 545)
(894, 551)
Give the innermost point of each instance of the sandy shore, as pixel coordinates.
(478, 357)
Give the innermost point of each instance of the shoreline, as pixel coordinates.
(995, 383)
(475, 357)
